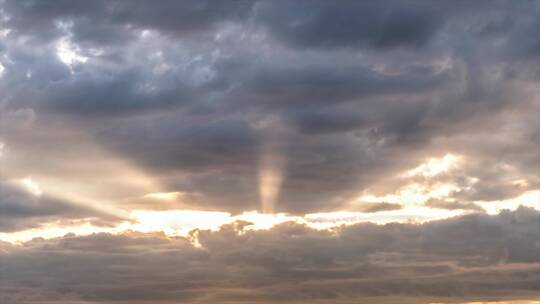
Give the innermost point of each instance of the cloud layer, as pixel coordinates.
(299, 107)
(190, 92)
(454, 260)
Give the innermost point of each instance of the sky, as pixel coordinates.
(269, 151)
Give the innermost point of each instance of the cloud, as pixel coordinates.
(23, 206)
(320, 24)
(453, 205)
(115, 16)
(378, 207)
(110, 108)
(459, 259)
(357, 93)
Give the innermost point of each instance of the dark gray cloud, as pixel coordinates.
(106, 22)
(21, 209)
(454, 260)
(351, 24)
(188, 93)
(105, 102)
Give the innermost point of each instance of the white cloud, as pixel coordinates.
(68, 53)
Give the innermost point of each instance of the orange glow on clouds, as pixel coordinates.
(182, 222)
(411, 197)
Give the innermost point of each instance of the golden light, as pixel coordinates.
(410, 214)
(263, 221)
(418, 193)
(527, 199)
(182, 222)
(55, 229)
(435, 166)
(94, 189)
(412, 196)
(270, 177)
(176, 222)
(164, 196)
(31, 186)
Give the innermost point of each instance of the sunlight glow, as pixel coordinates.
(183, 222)
(68, 53)
(412, 214)
(94, 190)
(32, 186)
(416, 193)
(165, 196)
(270, 178)
(412, 196)
(55, 229)
(177, 222)
(528, 199)
(435, 166)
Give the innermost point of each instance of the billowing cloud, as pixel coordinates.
(181, 94)
(457, 260)
(117, 115)
(352, 93)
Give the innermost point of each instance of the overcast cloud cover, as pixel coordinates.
(104, 104)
